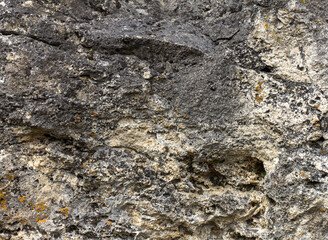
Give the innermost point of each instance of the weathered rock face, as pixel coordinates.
(163, 119)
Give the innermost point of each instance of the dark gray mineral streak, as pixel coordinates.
(163, 119)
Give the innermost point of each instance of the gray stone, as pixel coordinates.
(163, 119)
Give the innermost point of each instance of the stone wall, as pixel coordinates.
(163, 119)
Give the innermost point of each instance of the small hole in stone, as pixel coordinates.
(271, 201)
(266, 69)
(259, 169)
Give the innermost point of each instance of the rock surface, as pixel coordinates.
(163, 119)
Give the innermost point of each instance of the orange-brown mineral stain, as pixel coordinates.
(258, 89)
(40, 207)
(316, 122)
(10, 177)
(109, 223)
(3, 202)
(22, 221)
(128, 149)
(77, 118)
(21, 198)
(64, 211)
(41, 219)
(92, 135)
(259, 99)
(259, 96)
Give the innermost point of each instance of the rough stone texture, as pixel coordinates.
(163, 119)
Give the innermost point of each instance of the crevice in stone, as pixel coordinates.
(245, 174)
(215, 177)
(271, 201)
(226, 38)
(317, 144)
(266, 69)
(238, 236)
(149, 49)
(36, 38)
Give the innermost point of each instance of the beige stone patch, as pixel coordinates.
(281, 50)
(137, 135)
(28, 115)
(27, 4)
(12, 57)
